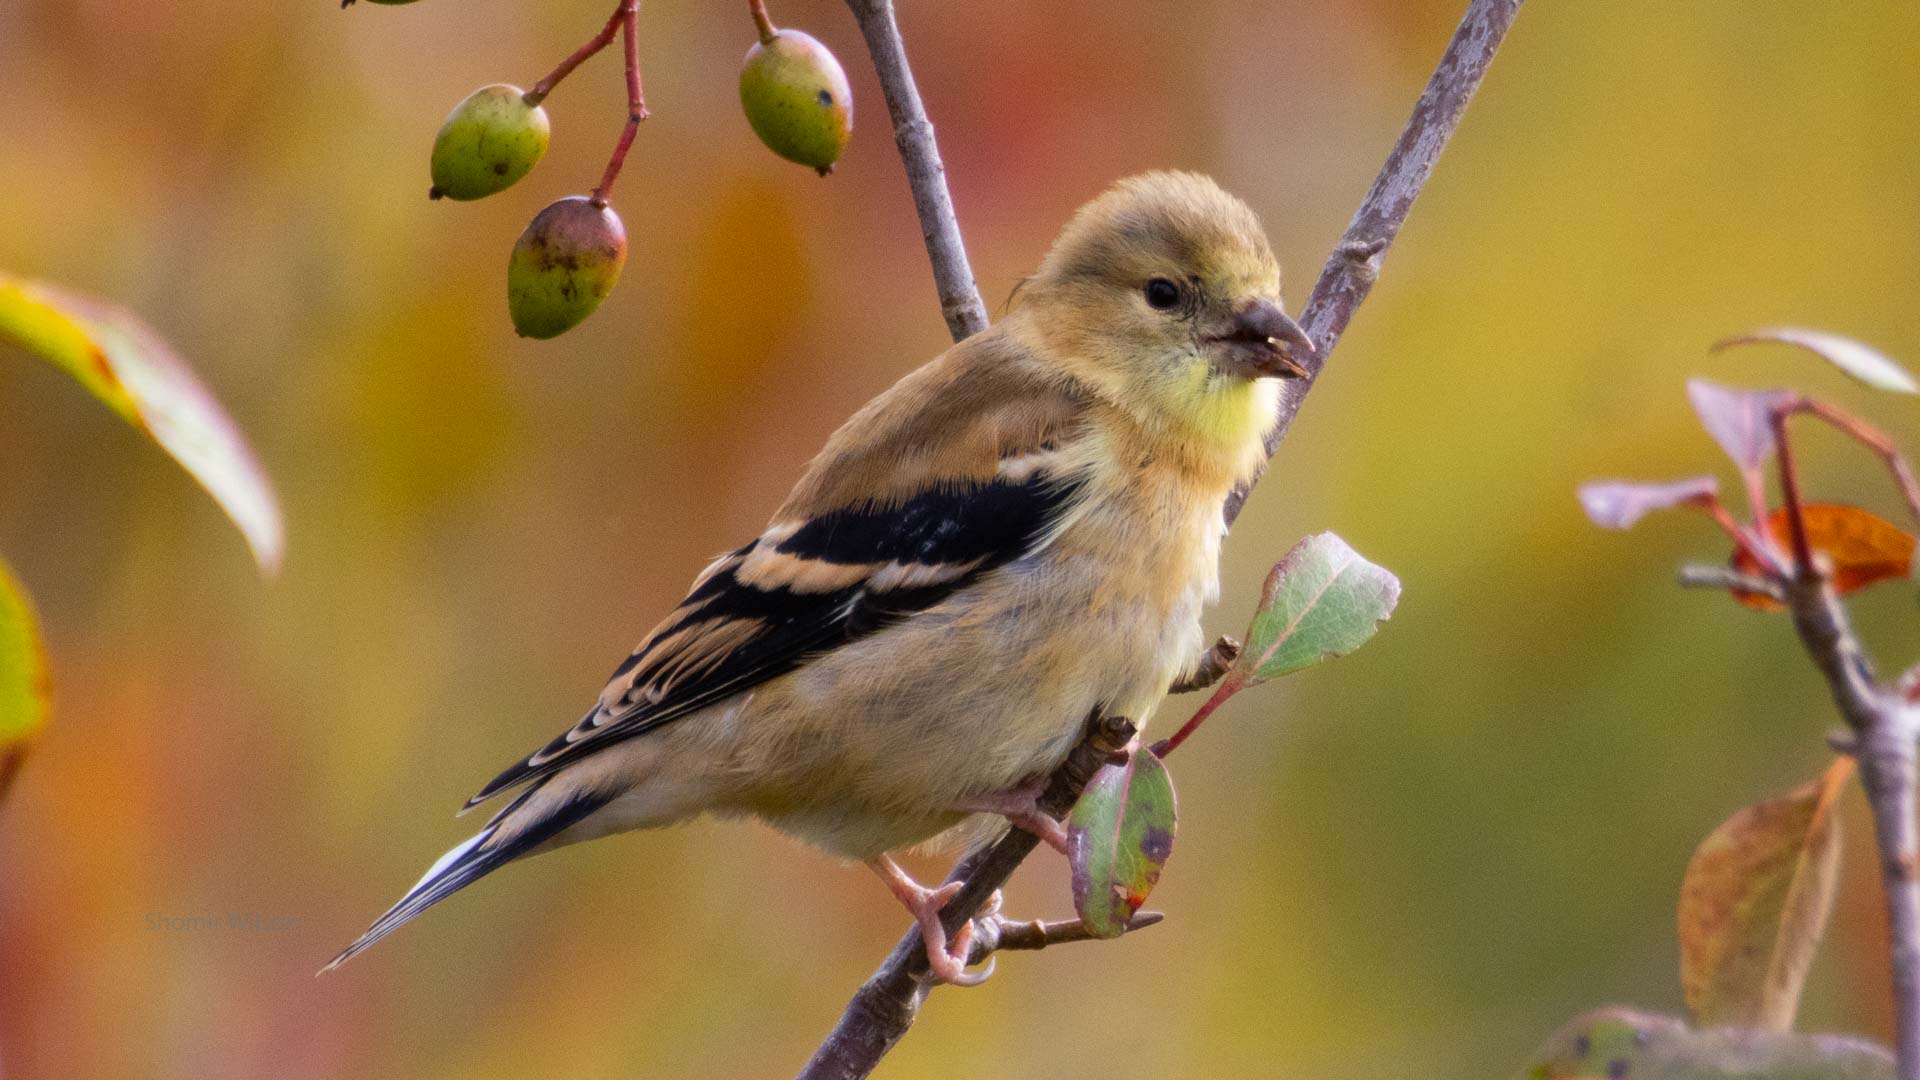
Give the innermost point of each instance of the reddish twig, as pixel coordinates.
(1751, 543)
(629, 16)
(1868, 436)
(579, 56)
(1790, 495)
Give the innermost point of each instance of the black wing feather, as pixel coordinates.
(977, 525)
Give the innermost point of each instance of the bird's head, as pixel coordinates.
(1163, 294)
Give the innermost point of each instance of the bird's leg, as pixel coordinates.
(1021, 806)
(947, 959)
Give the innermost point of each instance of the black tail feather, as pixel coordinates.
(473, 860)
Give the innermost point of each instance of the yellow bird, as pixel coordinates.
(1020, 532)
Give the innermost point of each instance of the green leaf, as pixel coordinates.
(1118, 837)
(1623, 1044)
(1863, 362)
(1754, 905)
(1323, 600)
(23, 675)
(129, 368)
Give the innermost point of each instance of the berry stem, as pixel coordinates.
(629, 17)
(594, 44)
(762, 21)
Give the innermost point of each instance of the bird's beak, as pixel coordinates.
(1261, 341)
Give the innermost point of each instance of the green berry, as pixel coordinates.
(797, 99)
(563, 265)
(489, 141)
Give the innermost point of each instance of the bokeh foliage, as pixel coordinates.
(1429, 853)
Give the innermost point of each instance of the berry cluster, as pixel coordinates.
(568, 258)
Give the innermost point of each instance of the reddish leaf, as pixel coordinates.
(1619, 504)
(1863, 547)
(1737, 419)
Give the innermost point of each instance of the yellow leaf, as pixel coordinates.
(1754, 904)
(23, 675)
(127, 366)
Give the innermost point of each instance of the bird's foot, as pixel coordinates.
(946, 959)
(1021, 806)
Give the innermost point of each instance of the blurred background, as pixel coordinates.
(1415, 861)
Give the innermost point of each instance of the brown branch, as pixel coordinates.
(913, 133)
(1883, 725)
(885, 1006)
(1709, 576)
(1883, 729)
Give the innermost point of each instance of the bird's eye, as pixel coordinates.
(1162, 294)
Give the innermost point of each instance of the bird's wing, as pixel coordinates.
(955, 471)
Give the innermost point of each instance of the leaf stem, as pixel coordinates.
(1228, 687)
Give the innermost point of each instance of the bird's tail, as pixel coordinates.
(511, 834)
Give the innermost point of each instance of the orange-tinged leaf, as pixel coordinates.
(1863, 547)
(129, 368)
(23, 675)
(1754, 904)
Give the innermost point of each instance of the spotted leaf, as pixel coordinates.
(1119, 836)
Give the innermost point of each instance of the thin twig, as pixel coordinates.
(629, 16)
(579, 56)
(1709, 576)
(913, 133)
(885, 1006)
(1790, 495)
(999, 934)
(1873, 439)
(1355, 264)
